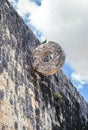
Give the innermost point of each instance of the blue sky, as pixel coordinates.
(82, 88)
(65, 22)
(38, 2)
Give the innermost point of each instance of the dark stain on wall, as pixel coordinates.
(1, 94)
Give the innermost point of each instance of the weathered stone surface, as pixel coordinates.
(27, 99)
(48, 58)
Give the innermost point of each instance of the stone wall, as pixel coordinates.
(27, 99)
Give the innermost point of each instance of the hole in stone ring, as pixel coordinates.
(47, 56)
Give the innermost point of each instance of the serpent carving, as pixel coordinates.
(48, 58)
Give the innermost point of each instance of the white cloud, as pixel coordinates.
(66, 22)
(78, 80)
(78, 77)
(25, 6)
(79, 86)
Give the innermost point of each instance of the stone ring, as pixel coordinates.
(48, 58)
